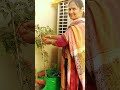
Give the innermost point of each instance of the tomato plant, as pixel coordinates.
(40, 32)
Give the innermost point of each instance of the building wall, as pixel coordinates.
(45, 15)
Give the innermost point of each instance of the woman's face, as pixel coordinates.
(74, 11)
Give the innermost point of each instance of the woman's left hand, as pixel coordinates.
(46, 40)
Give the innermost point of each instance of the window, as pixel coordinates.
(62, 20)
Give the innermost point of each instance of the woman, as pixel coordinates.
(73, 43)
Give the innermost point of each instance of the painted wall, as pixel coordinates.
(45, 15)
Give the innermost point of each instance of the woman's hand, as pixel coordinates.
(47, 36)
(46, 40)
(54, 37)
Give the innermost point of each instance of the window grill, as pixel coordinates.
(62, 21)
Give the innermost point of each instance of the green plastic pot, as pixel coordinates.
(52, 82)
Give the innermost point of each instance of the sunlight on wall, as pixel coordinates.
(45, 15)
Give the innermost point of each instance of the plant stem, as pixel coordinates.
(44, 60)
(42, 49)
(17, 56)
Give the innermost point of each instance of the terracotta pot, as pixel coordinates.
(40, 82)
(41, 74)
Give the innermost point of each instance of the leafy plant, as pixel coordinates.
(12, 13)
(40, 32)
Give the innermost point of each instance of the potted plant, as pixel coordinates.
(49, 78)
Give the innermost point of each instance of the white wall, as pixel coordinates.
(45, 15)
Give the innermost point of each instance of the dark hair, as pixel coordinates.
(79, 3)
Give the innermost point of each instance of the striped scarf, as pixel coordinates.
(74, 70)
